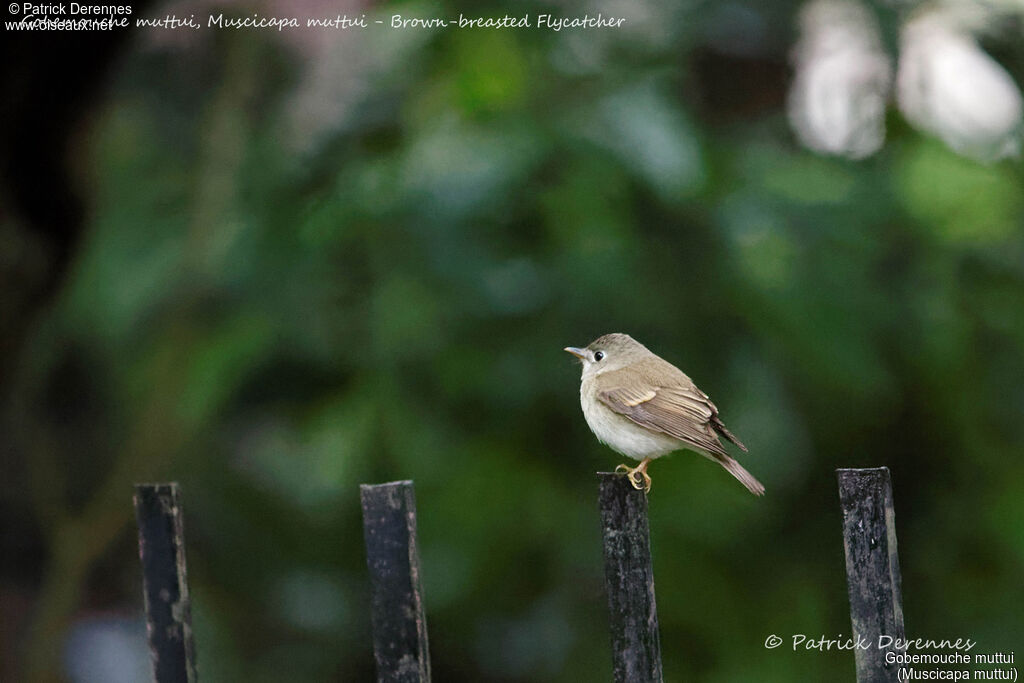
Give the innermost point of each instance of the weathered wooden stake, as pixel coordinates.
(399, 620)
(629, 578)
(872, 569)
(168, 610)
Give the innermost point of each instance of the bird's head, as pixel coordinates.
(608, 353)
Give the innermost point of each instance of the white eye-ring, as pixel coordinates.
(598, 355)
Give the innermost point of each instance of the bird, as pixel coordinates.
(644, 407)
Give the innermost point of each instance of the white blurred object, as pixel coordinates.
(948, 86)
(838, 98)
(107, 649)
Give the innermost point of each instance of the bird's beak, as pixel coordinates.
(579, 353)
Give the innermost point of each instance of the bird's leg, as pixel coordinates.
(638, 476)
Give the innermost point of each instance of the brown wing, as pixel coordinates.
(679, 411)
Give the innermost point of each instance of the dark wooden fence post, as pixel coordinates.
(872, 569)
(399, 620)
(629, 578)
(168, 610)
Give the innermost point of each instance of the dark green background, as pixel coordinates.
(308, 264)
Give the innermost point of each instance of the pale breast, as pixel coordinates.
(620, 433)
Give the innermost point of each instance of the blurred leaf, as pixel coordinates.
(222, 362)
(967, 203)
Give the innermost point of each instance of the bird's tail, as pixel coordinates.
(744, 477)
(720, 428)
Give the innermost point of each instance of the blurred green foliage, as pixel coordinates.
(311, 265)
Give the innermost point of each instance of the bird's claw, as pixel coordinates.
(638, 476)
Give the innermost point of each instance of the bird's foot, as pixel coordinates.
(638, 476)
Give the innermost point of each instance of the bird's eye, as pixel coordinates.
(599, 355)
